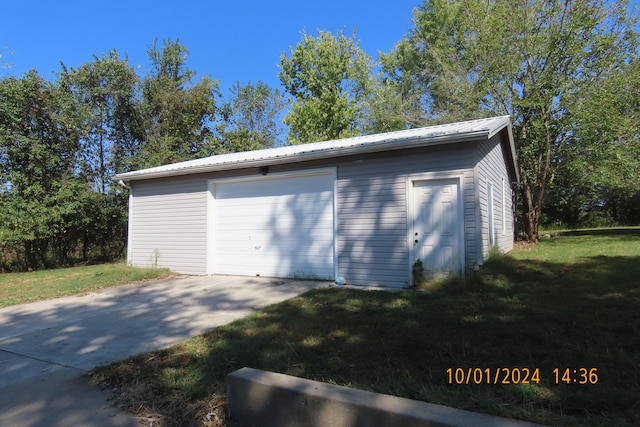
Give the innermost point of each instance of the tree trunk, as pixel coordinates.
(532, 215)
(29, 256)
(531, 227)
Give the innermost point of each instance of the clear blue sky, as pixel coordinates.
(237, 40)
(233, 40)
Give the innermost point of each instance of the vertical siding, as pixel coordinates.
(471, 228)
(372, 217)
(491, 169)
(169, 224)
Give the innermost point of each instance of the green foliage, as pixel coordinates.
(175, 109)
(61, 142)
(48, 210)
(400, 95)
(600, 181)
(38, 143)
(534, 61)
(106, 111)
(251, 118)
(327, 77)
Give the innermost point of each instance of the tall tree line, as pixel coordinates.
(62, 141)
(567, 71)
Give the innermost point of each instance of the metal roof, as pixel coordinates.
(432, 135)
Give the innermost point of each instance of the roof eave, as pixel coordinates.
(511, 152)
(313, 155)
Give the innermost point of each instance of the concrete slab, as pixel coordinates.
(61, 397)
(15, 368)
(268, 399)
(45, 347)
(103, 338)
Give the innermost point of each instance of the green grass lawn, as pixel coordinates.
(572, 301)
(19, 288)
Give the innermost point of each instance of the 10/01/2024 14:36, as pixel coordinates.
(504, 376)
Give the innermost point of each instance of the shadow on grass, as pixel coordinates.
(626, 231)
(518, 313)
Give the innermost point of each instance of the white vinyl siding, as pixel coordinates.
(491, 217)
(168, 224)
(491, 172)
(503, 204)
(372, 216)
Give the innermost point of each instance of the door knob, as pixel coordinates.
(415, 241)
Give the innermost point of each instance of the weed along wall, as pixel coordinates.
(364, 209)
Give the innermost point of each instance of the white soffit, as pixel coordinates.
(432, 135)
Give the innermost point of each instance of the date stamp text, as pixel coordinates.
(504, 376)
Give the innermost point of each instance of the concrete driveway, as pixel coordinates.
(47, 347)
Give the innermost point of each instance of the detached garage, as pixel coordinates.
(363, 208)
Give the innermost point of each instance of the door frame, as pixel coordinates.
(211, 206)
(456, 177)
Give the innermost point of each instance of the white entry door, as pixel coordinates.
(437, 226)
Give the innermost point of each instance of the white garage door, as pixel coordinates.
(275, 226)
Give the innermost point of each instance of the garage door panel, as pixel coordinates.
(269, 187)
(266, 236)
(277, 226)
(263, 248)
(247, 227)
(273, 256)
(273, 263)
(277, 200)
(312, 211)
(252, 207)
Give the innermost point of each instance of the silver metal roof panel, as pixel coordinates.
(432, 135)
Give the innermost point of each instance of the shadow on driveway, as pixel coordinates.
(47, 346)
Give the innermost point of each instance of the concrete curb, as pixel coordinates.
(267, 399)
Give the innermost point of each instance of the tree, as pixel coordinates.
(104, 101)
(251, 118)
(61, 142)
(401, 94)
(38, 147)
(177, 111)
(327, 77)
(526, 59)
(603, 155)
